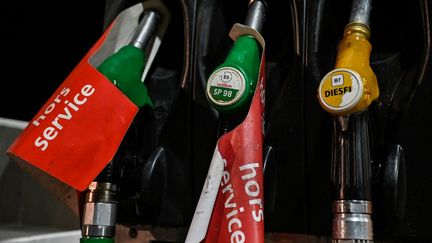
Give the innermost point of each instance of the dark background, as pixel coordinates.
(43, 42)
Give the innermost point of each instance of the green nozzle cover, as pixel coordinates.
(124, 69)
(232, 84)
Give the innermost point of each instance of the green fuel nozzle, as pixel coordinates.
(126, 66)
(232, 84)
(124, 69)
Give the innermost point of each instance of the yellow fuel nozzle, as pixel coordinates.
(352, 85)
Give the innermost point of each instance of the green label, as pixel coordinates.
(223, 94)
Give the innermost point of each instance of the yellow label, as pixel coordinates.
(340, 90)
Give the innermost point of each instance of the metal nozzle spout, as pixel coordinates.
(145, 30)
(360, 11)
(256, 15)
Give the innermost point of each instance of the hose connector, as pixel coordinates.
(100, 210)
(352, 221)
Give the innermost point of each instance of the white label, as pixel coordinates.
(337, 80)
(225, 86)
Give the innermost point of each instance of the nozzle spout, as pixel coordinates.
(256, 15)
(145, 30)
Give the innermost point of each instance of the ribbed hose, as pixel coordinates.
(351, 177)
(351, 164)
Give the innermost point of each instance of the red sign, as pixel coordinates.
(79, 129)
(231, 206)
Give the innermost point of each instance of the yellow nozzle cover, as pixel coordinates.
(352, 85)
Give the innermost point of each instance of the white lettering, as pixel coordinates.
(65, 91)
(51, 132)
(57, 99)
(228, 188)
(78, 101)
(232, 213)
(87, 90)
(225, 177)
(256, 201)
(39, 143)
(238, 237)
(228, 200)
(234, 221)
(252, 188)
(36, 122)
(57, 124)
(49, 109)
(258, 217)
(73, 106)
(67, 115)
(250, 166)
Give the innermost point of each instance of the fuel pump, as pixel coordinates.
(124, 69)
(346, 93)
(232, 84)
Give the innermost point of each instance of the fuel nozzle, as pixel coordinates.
(231, 85)
(124, 69)
(352, 85)
(346, 92)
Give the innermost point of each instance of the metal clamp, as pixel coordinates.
(100, 210)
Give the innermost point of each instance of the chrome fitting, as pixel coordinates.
(100, 210)
(256, 15)
(352, 221)
(145, 30)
